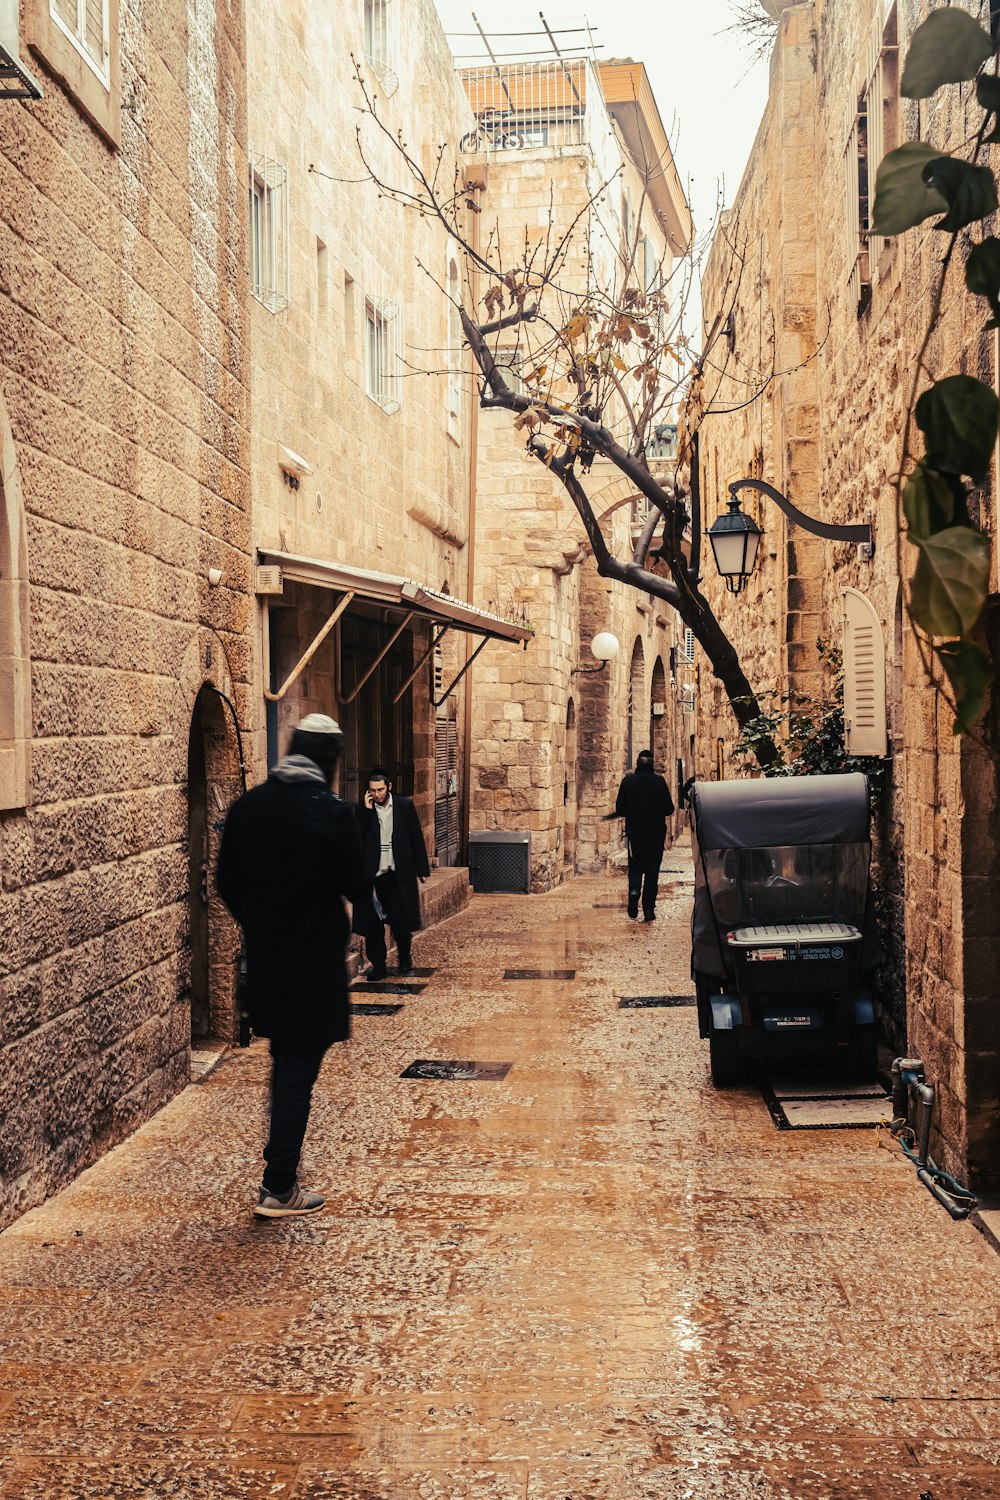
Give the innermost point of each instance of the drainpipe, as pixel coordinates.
(475, 185)
(907, 1074)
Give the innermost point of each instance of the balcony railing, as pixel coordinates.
(531, 105)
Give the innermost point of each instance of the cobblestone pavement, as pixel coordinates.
(596, 1278)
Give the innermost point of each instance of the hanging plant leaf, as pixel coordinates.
(902, 197)
(928, 502)
(971, 192)
(958, 417)
(949, 585)
(949, 47)
(969, 672)
(982, 274)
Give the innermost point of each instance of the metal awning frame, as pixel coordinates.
(310, 652)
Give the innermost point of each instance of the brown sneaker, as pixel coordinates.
(295, 1201)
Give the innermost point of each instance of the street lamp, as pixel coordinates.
(605, 647)
(735, 537)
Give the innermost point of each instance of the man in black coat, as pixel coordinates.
(644, 801)
(395, 858)
(290, 854)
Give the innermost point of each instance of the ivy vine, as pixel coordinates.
(958, 416)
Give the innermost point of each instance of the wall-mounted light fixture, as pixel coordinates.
(215, 577)
(735, 536)
(605, 647)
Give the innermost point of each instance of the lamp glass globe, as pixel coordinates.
(605, 646)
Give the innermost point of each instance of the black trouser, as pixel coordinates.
(643, 876)
(391, 901)
(294, 1070)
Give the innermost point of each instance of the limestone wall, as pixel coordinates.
(123, 409)
(834, 449)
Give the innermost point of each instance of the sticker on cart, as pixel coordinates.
(822, 953)
(769, 955)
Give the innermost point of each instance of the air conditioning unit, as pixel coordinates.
(500, 862)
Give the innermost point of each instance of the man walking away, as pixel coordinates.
(644, 801)
(395, 857)
(290, 853)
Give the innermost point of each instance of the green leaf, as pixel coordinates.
(949, 585)
(928, 502)
(902, 197)
(958, 417)
(949, 47)
(969, 671)
(982, 273)
(971, 191)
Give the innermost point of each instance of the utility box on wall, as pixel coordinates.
(500, 862)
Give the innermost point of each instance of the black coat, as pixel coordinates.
(290, 853)
(644, 801)
(409, 854)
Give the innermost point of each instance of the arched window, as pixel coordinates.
(15, 663)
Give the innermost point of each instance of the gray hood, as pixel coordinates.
(298, 768)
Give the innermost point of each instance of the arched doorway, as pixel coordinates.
(570, 793)
(213, 783)
(659, 727)
(636, 697)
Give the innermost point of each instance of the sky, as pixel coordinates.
(710, 90)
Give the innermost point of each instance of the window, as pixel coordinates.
(87, 23)
(382, 375)
(455, 353)
(871, 134)
(269, 281)
(381, 18)
(688, 647)
(864, 678)
(508, 362)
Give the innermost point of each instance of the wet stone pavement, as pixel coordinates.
(590, 1278)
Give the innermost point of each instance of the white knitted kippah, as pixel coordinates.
(319, 724)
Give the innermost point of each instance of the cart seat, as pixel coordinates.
(787, 933)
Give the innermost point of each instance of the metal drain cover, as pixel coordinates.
(462, 1072)
(539, 973)
(386, 987)
(364, 1008)
(652, 1002)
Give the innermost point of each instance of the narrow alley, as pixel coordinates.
(592, 1278)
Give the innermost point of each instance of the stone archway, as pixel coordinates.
(659, 723)
(213, 783)
(570, 796)
(636, 718)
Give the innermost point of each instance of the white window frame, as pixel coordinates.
(269, 258)
(380, 26)
(383, 351)
(77, 37)
(688, 646)
(509, 360)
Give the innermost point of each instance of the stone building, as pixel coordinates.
(552, 736)
(124, 457)
(822, 322)
(362, 414)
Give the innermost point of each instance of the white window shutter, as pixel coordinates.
(864, 678)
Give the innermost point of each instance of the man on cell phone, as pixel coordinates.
(395, 859)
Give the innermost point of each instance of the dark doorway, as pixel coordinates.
(377, 732)
(213, 783)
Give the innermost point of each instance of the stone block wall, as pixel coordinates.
(123, 405)
(936, 832)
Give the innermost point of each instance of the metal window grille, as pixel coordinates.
(382, 41)
(455, 349)
(87, 23)
(508, 362)
(880, 70)
(383, 380)
(856, 160)
(530, 105)
(269, 259)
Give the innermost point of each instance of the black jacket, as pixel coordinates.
(644, 801)
(290, 853)
(409, 854)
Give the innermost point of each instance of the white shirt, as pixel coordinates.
(386, 861)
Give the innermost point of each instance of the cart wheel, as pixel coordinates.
(861, 1059)
(726, 1059)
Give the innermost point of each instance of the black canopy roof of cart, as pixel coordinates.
(785, 810)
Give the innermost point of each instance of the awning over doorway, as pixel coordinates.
(401, 595)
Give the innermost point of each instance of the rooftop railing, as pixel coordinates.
(531, 105)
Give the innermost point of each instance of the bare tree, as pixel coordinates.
(585, 348)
